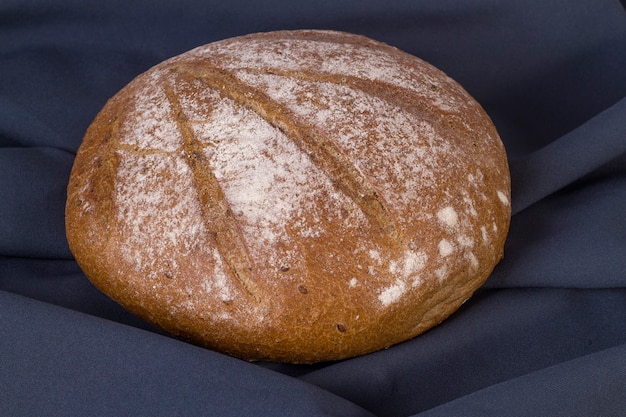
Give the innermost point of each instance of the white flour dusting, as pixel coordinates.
(383, 141)
(393, 293)
(448, 216)
(339, 58)
(149, 212)
(274, 189)
(262, 172)
(148, 125)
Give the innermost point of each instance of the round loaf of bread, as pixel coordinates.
(296, 196)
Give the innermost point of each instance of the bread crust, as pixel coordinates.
(295, 196)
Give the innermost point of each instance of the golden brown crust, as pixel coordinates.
(295, 196)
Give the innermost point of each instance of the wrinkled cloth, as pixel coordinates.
(546, 334)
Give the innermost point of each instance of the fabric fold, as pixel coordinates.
(592, 385)
(593, 144)
(66, 363)
(32, 209)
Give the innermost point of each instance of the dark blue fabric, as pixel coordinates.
(546, 335)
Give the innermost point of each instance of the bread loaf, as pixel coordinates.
(296, 196)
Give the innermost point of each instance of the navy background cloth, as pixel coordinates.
(546, 335)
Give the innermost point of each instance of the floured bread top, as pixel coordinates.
(295, 196)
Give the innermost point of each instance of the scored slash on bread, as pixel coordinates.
(217, 214)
